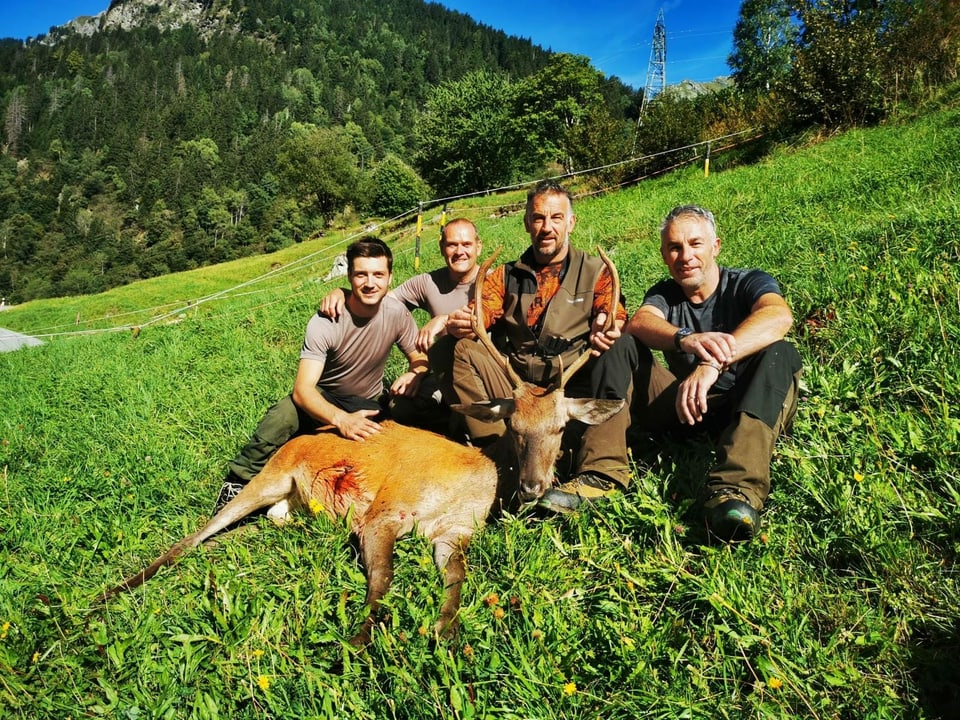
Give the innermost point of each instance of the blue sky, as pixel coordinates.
(615, 34)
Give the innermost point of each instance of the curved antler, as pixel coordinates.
(611, 318)
(479, 327)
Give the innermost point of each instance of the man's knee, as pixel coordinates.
(611, 374)
(280, 423)
(765, 384)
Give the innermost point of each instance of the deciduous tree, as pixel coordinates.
(553, 103)
(838, 75)
(316, 163)
(467, 137)
(764, 40)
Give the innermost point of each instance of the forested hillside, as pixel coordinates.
(164, 136)
(130, 153)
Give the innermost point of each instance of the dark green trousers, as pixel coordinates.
(283, 421)
(744, 420)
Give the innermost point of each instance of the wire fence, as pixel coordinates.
(176, 311)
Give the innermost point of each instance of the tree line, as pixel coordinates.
(131, 154)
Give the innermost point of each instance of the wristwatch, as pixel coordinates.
(680, 335)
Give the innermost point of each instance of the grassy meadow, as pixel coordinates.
(113, 445)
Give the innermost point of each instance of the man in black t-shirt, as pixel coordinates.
(730, 372)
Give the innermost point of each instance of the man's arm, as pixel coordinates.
(434, 328)
(769, 321)
(601, 340)
(306, 396)
(649, 325)
(408, 383)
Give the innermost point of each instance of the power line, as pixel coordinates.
(175, 311)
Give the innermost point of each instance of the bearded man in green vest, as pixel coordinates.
(544, 311)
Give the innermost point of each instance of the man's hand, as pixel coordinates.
(357, 425)
(692, 392)
(332, 304)
(716, 347)
(407, 384)
(429, 333)
(460, 323)
(601, 340)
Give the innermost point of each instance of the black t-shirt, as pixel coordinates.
(723, 311)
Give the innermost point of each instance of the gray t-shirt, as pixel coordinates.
(354, 350)
(434, 292)
(723, 311)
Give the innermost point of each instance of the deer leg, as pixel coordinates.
(266, 489)
(451, 560)
(377, 548)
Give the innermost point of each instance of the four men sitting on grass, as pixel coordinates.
(729, 373)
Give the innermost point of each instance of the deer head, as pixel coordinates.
(535, 417)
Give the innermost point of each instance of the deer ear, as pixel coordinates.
(591, 411)
(488, 410)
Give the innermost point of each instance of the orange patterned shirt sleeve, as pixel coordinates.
(493, 290)
(548, 282)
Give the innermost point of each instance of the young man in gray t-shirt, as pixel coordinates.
(340, 374)
(439, 293)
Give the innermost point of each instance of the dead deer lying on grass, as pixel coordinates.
(404, 479)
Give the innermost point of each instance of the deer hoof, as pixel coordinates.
(280, 513)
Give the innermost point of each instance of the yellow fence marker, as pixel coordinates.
(416, 254)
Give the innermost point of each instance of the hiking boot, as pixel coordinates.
(583, 488)
(729, 517)
(228, 491)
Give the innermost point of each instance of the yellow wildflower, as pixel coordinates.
(315, 507)
(858, 476)
(775, 683)
(3, 630)
(258, 653)
(498, 613)
(264, 682)
(570, 689)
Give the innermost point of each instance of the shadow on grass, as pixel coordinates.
(936, 673)
(681, 464)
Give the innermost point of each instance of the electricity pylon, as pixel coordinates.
(656, 68)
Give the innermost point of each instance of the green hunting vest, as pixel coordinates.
(563, 331)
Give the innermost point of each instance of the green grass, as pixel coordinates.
(112, 447)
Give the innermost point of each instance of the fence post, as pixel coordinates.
(416, 254)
